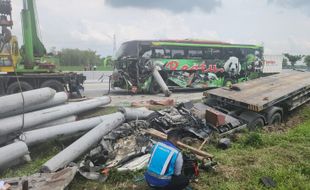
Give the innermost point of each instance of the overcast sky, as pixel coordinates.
(280, 25)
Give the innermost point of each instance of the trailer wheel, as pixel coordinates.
(54, 84)
(276, 119)
(257, 124)
(14, 87)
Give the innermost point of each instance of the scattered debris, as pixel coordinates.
(43, 181)
(151, 103)
(4, 185)
(268, 182)
(224, 143)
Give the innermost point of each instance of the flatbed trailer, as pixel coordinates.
(262, 101)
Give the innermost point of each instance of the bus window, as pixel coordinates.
(158, 53)
(167, 53)
(195, 54)
(177, 53)
(212, 53)
(147, 54)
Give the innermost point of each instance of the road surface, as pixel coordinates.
(95, 88)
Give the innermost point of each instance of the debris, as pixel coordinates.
(163, 136)
(44, 181)
(203, 143)
(181, 119)
(12, 152)
(224, 143)
(12, 124)
(135, 164)
(150, 103)
(268, 182)
(16, 102)
(81, 145)
(135, 113)
(4, 185)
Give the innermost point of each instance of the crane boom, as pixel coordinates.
(33, 47)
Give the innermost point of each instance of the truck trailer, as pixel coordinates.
(256, 103)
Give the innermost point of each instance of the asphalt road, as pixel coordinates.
(96, 88)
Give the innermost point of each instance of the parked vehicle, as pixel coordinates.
(259, 102)
(29, 67)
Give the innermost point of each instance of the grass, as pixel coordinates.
(284, 155)
(81, 68)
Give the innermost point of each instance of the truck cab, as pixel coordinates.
(9, 56)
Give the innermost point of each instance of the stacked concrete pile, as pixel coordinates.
(38, 115)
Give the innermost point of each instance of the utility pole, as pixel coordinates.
(114, 44)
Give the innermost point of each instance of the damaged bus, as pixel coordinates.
(184, 64)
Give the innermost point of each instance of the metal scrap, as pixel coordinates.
(44, 181)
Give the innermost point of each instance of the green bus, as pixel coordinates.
(184, 64)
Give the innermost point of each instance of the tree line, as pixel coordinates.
(293, 59)
(77, 57)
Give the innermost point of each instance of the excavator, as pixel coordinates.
(28, 67)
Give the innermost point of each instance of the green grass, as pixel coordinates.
(284, 155)
(81, 68)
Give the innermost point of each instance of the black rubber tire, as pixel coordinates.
(154, 88)
(54, 84)
(14, 87)
(276, 119)
(257, 124)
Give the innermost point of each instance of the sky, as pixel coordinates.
(280, 25)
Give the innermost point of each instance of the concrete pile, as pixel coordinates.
(38, 115)
(121, 140)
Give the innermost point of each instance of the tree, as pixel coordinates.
(307, 61)
(293, 58)
(284, 63)
(76, 57)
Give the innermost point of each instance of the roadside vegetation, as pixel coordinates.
(79, 60)
(280, 152)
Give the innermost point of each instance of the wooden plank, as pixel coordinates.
(259, 93)
(163, 136)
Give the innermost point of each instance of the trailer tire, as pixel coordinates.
(14, 87)
(258, 123)
(276, 119)
(54, 84)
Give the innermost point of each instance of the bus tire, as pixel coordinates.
(15, 88)
(54, 84)
(258, 123)
(155, 88)
(276, 119)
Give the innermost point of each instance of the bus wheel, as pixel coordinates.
(228, 82)
(276, 119)
(155, 88)
(257, 124)
(15, 88)
(54, 84)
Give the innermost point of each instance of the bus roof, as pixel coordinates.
(194, 43)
